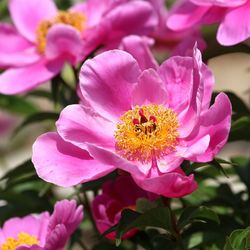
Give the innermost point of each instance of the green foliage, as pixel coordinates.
(238, 240)
(37, 118)
(17, 105)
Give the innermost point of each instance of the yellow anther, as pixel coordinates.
(22, 239)
(74, 19)
(147, 132)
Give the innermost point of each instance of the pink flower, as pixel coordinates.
(232, 16)
(34, 51)
(142, 118)
(42, 232)
(116, 195)
(6, 122)
(178, 42)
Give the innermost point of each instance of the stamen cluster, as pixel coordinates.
(74, 19)
(147, 132)
(22, 239)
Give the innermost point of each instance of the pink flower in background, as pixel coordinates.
(142, 118)
(232, 16)
(42, 232)
(6, 122)
(116, 195)
(43, 38)
(178, 42)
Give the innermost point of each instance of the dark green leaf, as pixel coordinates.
(37, 117)
(191, 214)
(238, 240)
(243, 169)
(23, 169)
(17, 104)
(97, 184)
(240, 129)
(40, 93)
(157, 217)
(143, 205)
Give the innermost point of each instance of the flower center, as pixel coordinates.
(22, 239)
(74, 19)
(147, 132)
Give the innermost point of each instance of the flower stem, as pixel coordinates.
(174, 224)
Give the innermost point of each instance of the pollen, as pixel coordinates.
(22, 239)
(146, 133)
(74, 19)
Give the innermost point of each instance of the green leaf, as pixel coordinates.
(37, 117)
(238, 240)
(159, 217)
(97, 184)
(19, 174)
(143, 205)
(40, 93)
(242, 168)
(17, 105)
(217, 164)
(239, 129)
(191, 214)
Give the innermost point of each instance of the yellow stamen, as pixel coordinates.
(74, 19)
(22, 239)
(147, 132)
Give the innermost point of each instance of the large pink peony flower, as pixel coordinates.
(42, 232)
(232, 16)
(116, 195)
(142, 118)
(34, 51)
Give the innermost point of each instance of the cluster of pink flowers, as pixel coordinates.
(134, 114)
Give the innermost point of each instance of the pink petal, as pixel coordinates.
(107, 81)
(193, 149)
(230, 32)
(27, 15)
(57, 239)
(185, 15)
(138, 47)
(208, 82)
(110, 158)
(94, 9)
(185, 87)
(176, 73)
(67, 165)
(80, 125)
(20, 80)
(187, 42)
(66, 213)
(172, 185)
(14, 49)
(33, 247)
(33, 225)
(132, 17)
(215, 123)
(222, 3)
(150, 89)
(190, 117)
(20, 58)
(64, 42)
(11, 40)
